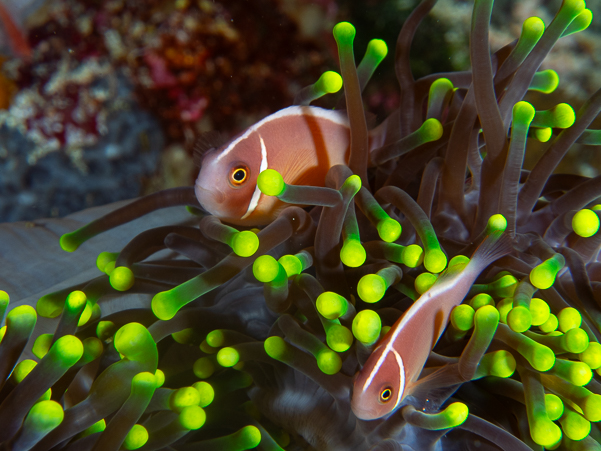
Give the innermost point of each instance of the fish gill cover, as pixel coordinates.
(199, 336)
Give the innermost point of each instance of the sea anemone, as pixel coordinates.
(200, 336)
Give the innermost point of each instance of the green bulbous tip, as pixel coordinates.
(331, 305)
(585, 223)
(371, 288)
(245, 243)
(246, 438)
(435, 261)
(441, 85)
(192, 417)
(339, 338)
(533, 28)
(576, 340)
(183, 336)
(544, 432)
(134, 342)
(574, 425)
(122, 278)
(550, 325)
(22, 369)
(541, 357)
(42, 345)
(591, 355)
(136, 437)
(69, 242)
(543, 134)
(206, 392)
(569, 318)
(378, 49)
(539, 311)
(389, 230)
(366, 326)
(462, 317)
(543, 276)
(458, 262)
(545, 81)
(165, 304)
(580, 23)
(328, 361)
(554, 406)
(480, 300)
(276, 348)
(353, 182)
(352, 253)
(228, 357)
(344, 33)
(330, 82)
(160, 378)
(291, 263)
(523, 113)
(68, 349)
(271, 183)
(424, 282)
(43, 417)
(431, 130)
(182, 398)
(203, 368)
(22, 317)
(105, 330)
(104, 258)
(519, 319)
(265, 268)
(412, 256)
(591, 407)
(502, 363)
(455, 414)
(215, 338)
(144, 379)
(563, 115)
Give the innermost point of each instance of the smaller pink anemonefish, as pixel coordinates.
(392, 370)
(300, 142)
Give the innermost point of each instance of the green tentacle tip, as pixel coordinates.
(328, 361)
(353, 182)
(496, 223)
(22, 317)
(42, 345)
(575, 340)
(352, 253)
(435, 260)
(182, 398)
(165, 304)
(265, 268)
(550, 325)
(580, 23)
(192, 417)
(371, 288)
(339, 338)
(569, 318)
(378, 49)
(424, 282)
(480, 300)
(519, 319)
(271, 182)
(122, 278)
(245, 243)
(533, 28)
(136, 437)
(246, 438)
(75, 300)
(543, 134)
(277, 348)
(462, 317)
(554, 406)
(366, 326)
(389, 229)
(544, 432)
(545, 81)
(104, 258)
(585, 223)
(539, 311)
(134, 342)
(412, 256)
(329, 82)
(574, 425)
(68, 349)
(69, 241)
(591, 355)
(206, 391)
(331, 305)
(563, 115)
(454, 415)
(216, 338)
(203, 368)
(500, 363)
(228, 357)
(43, 417)
(431, 130)
(344, 33)
(523, 113)
(543, 275)
(292, 264)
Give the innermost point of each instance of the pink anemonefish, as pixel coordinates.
(300, 142)
(392, 370)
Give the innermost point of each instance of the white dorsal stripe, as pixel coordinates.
(254, 200)
(334, 116)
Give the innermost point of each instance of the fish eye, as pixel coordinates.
(386, 394)
(239, 175)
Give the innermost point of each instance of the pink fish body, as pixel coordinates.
(392, 370)
(300, 142)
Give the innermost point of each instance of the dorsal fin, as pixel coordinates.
(206, 142)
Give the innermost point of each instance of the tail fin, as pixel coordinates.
(495, 245)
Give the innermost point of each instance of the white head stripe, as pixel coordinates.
(334, 116)
(399, 361)
(254, 200)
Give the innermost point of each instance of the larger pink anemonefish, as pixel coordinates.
(300, 142)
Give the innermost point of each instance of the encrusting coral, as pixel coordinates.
(200, 336)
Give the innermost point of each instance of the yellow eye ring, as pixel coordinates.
(386, 394)
(239, 175)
